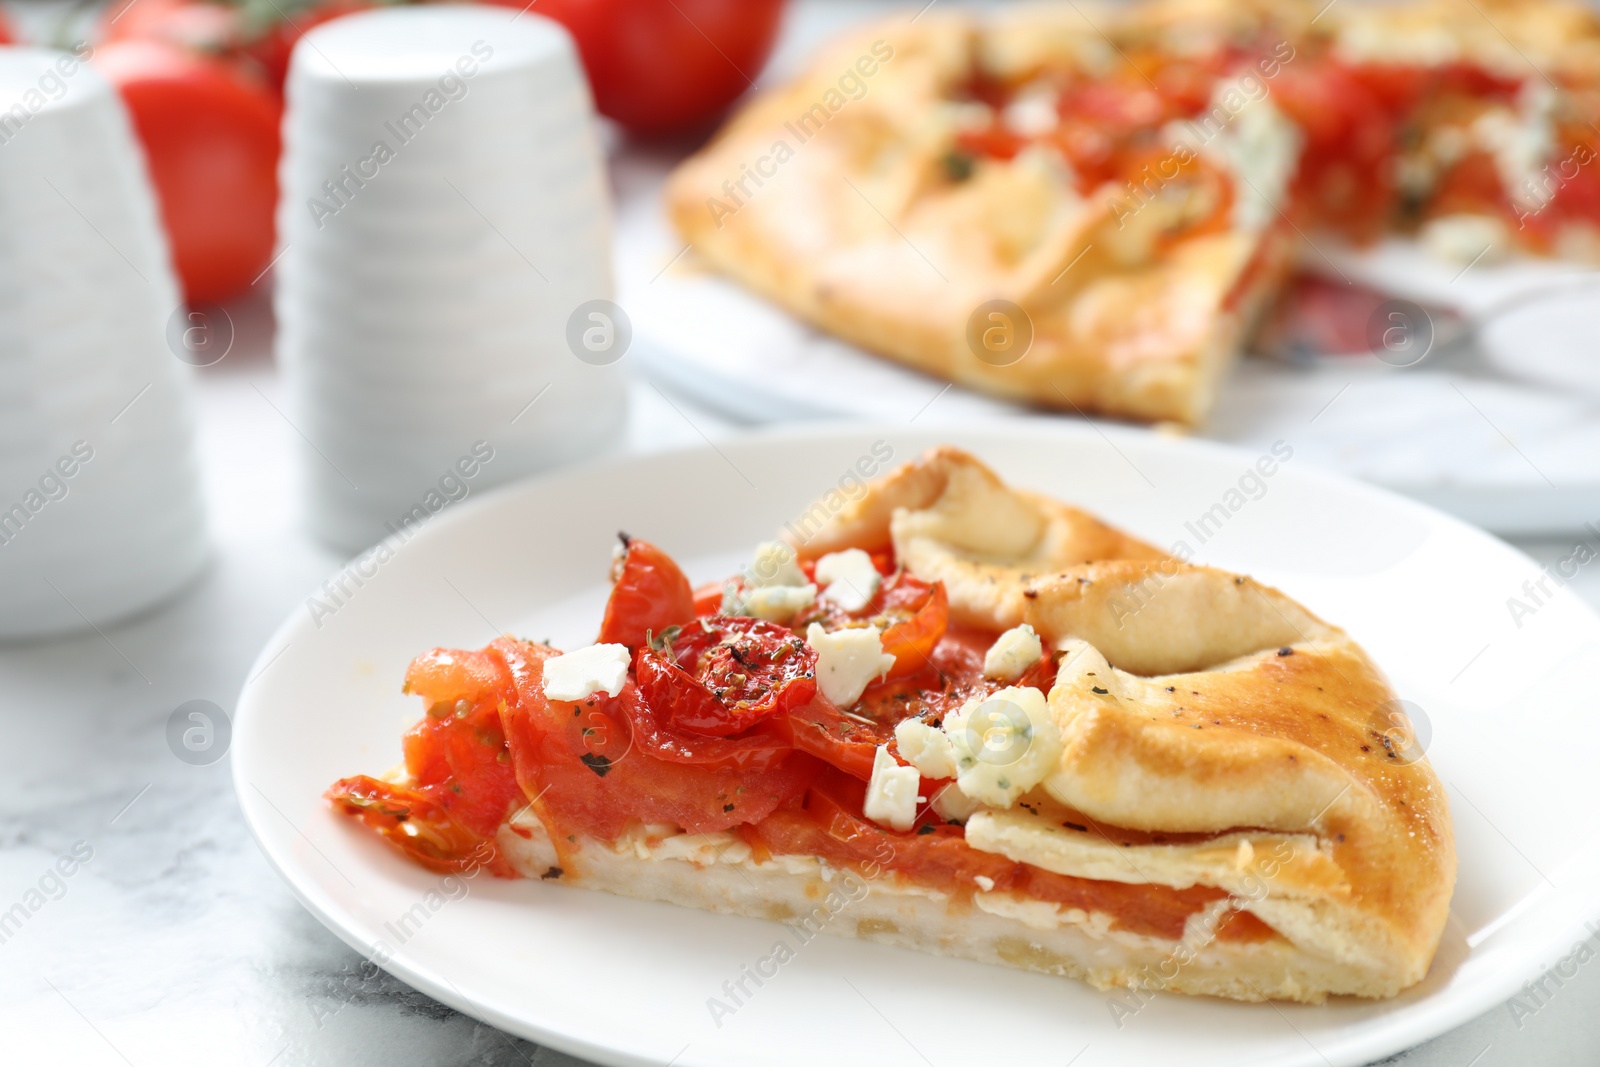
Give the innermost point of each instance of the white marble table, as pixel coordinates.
(174, 943)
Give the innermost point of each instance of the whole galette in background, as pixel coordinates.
(1088, 209)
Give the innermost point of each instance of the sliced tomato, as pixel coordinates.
(460, 755)
(462, 781)
(1471, 186)
(446, 675)
(848, 742)
(760, 747)
(1578, 196)
(650, 595)
(418, 825)
(581, 766)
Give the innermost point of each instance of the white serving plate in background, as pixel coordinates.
(1509, 710)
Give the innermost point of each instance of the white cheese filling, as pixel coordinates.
(585, 671)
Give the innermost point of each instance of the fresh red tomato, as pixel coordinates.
(650, 596)
(271, 45)
(660, 66)
(214, 29)
(256, 40)
(210, 139)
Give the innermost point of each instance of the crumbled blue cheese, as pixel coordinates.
(586, 671)
(1521, 142)
(775, 588)
(927, 748)
(776, 603)
(1012, 653)
(1006, 745)
(847, 661)
(952, 805)
(848, 579)
(1033, 112)
(1245, 132)
(997, 748)
(891, 792)
(774, 565)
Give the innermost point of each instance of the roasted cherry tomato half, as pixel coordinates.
(719, 677)
(650, 596)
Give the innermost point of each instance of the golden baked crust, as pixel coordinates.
(1189, 701)
(1556, 38)
(952, 519)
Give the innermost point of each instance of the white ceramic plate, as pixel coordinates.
(1509, 709)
